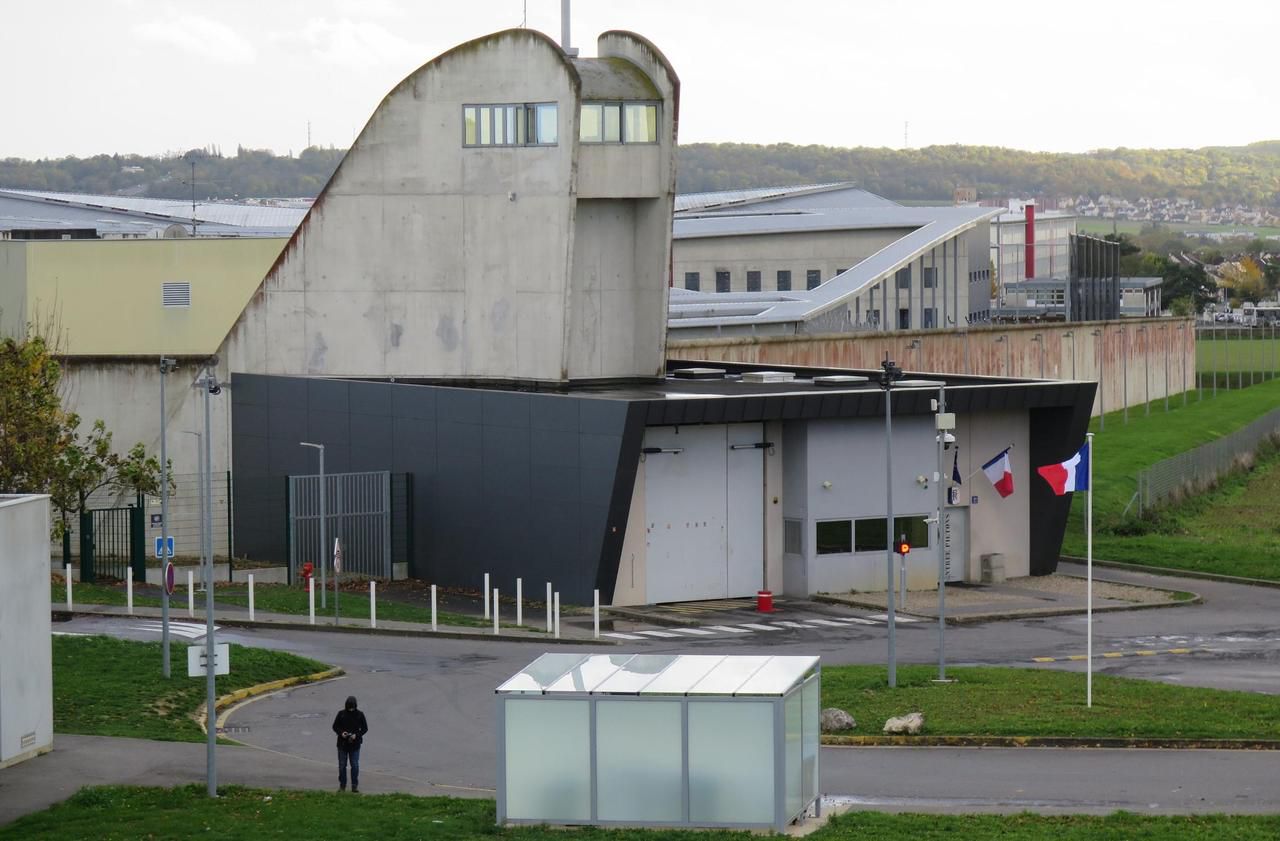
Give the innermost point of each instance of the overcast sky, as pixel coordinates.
(90, 76)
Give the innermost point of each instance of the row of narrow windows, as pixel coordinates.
(724, 280)
(537, 123)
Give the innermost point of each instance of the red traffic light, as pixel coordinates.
(903, 547)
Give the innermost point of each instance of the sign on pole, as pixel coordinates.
(168, 578)
(197, 659)
(337, 555)
(164, 547)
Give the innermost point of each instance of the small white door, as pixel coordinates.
(955, 543)
(685, 513)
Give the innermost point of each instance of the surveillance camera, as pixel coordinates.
(215, 389)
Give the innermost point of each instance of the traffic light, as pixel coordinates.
(904, 547)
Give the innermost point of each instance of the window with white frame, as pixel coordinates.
(618, 122)
(516, 124)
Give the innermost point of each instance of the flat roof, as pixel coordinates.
(661, 674)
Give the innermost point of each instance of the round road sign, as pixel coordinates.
(168, 577)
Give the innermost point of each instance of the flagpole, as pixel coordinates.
(1088, 516)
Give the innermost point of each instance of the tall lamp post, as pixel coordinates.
(1146, 368)
(944, 423)
(1182, 356)
(1164, 332)
(324, 545)
(1102, 393)
(166, 365)
(889, 374)
(1124, 368)
(208, 385)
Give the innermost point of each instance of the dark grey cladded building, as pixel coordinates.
(667, 490)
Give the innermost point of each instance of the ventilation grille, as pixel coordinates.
(175, 294)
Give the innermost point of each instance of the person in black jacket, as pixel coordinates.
(350, 726)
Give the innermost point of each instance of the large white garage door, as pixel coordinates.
(704, 505)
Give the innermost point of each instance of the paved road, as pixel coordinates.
(431, 709)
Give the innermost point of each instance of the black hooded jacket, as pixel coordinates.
(350, 721)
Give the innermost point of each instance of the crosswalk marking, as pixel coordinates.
(856, 620)
(621, 636)
(728, 629)
(808, 624)
(829, 622)
(667, 634)
(793, 624)
(884, 617)
(757, 627)
(698, 632)
(189, 630)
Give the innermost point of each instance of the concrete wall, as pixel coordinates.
(13, 288)
(104, 296)
(1129, 365)
(26, 655)
(423, 257)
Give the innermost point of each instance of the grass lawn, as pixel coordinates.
(1217, 351)
(82, 594)
(995, 701)
(119, 812)
(104, 686)
(1099, 226)
(1214, 532)
(352, 604)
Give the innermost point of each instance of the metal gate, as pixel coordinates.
(357, 511)
(112, 540)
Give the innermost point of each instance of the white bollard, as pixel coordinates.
(433, 607)
(191, 595)
(311, 599)
(595, 613)
(128, 590)
(495, 611)
(556, 613)
(373, 603)
(68, 588)
(519, 602)
(486, 595)
(251, 597)
(548, 607)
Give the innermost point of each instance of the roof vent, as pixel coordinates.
(835, 380)
(175, 294)
(698, 373)
(767, 376)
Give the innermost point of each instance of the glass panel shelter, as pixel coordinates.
(659, 740)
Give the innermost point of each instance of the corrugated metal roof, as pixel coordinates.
(723, 198)
(275, 217)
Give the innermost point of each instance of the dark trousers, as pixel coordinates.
(351, 755)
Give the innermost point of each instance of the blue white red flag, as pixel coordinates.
(1070, 475)
(1000, 471)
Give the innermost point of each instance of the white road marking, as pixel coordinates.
(884, 617)
(699, 632)
(760, 627)
(828, 622)
(620, 636)
(667, 634)
(856, 620)
(794, 625)
(728, 629)
(189, 630)
(69, 634)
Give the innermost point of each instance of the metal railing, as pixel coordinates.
(1197, 470)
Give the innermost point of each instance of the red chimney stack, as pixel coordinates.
(1030, 240)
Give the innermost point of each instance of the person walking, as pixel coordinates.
(350, 725)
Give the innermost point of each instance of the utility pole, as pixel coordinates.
(166, 365)
(208, 385)
(324, 546)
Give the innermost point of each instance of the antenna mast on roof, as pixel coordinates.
(564, 30)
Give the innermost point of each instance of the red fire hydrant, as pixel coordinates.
(764, 601)
(307, 569)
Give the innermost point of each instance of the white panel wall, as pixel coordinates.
(26, 656)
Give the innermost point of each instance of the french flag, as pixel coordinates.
(1000, 472)
(1070, 475)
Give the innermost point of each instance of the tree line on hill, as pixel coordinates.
(1212, 176)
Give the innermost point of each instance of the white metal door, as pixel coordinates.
(745, 495)
(955, 542)
(684, 492)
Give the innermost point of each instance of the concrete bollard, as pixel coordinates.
(311, 600)
(556, 614)
(373, 603)
(128, 590)
(191, 595)
(519, 602)
(595, 613)
(433, 607)
(68, 570)
(548, 607)
(251, 597)
(486, 595)
(495, 611)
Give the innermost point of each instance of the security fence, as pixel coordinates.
(1196, 470)
(357, 511)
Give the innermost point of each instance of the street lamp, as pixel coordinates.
(1102, 393)
(1008, 363)
(324, 552)
(208, 385)
(944, 423)
(166, 365)
(1182, 357)
(1146, 368)
(1124, 368)
(1039, 339)
(889, 374)
(1164, 330)
(1070, 334)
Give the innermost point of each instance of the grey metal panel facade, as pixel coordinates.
(512, 483)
